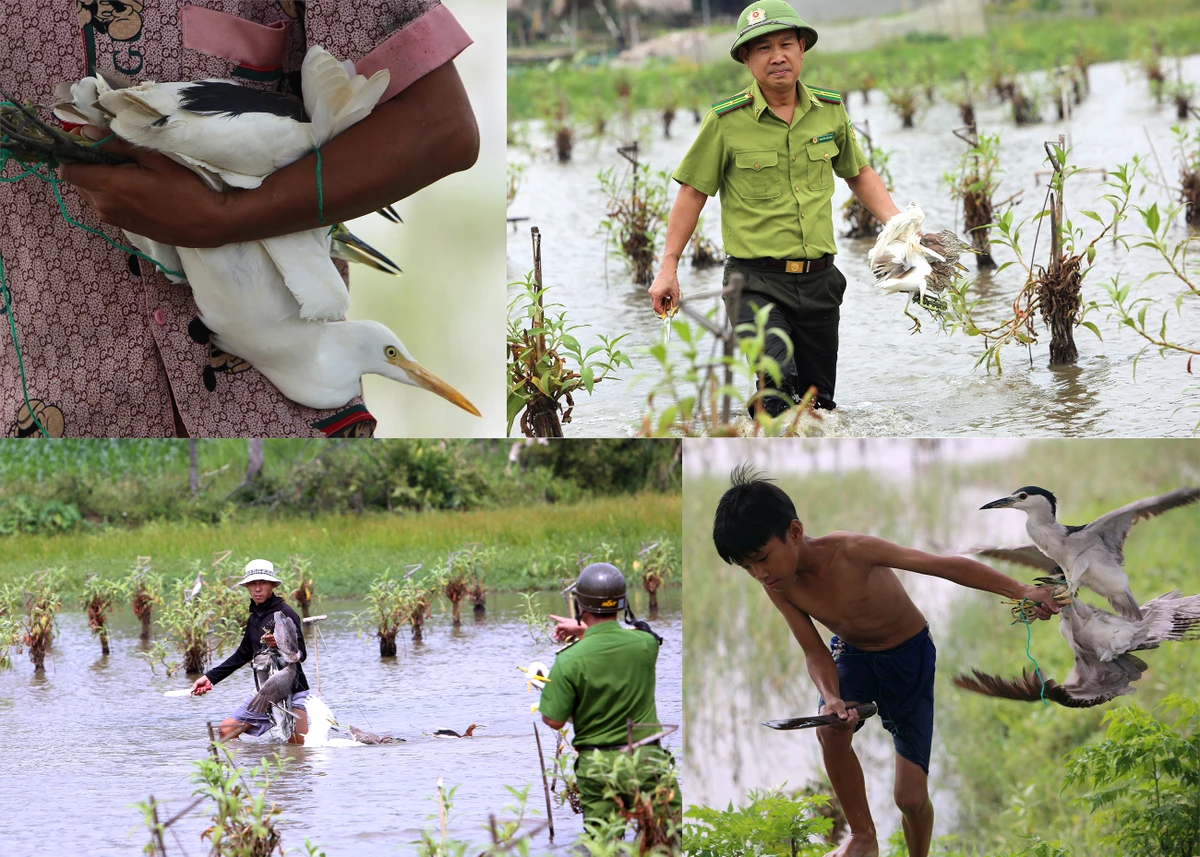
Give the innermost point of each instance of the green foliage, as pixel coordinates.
(702, 391)
(772, 824)
(22, 514)
(243, 820)
(1142, 782)
(637, 217)
(1045, 290)
(192, 630)
(622, 466)
(546, 363)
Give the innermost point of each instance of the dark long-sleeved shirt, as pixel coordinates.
(262, 620)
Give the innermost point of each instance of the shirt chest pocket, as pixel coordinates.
(755, 174)
(820, 164)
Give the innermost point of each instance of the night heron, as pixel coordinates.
(1101, 643)
(275, 693)
(1090, 555)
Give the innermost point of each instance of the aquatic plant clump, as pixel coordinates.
(146, 592)
(546, 362)
(40, 603)
(975, 184)
(302, 595)
(99, 599)
(636, 217)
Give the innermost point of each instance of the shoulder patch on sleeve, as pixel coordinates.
(734, 102)
(830, 96)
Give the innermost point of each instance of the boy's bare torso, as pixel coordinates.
(863, 604)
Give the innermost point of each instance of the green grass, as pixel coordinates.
(533, 543)
(1005, 759)
(1025, 44)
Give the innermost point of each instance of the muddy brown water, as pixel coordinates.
(891, 383)
(85, 742)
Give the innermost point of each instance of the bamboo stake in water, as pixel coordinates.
(313, 620)
(545, 783)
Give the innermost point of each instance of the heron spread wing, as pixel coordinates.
(1114, 526)
(1028, 555)
(1090, 683)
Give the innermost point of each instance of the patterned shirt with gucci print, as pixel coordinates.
(104, 339)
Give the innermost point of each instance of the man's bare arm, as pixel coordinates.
(685, 214)
(861, 549)
(873, 193)
(424, 133)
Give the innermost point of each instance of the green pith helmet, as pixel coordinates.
(600, 589)
(769, 16)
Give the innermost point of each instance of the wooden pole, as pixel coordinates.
(545, 782)
(158, 838)
(538, 320)
(313, 620)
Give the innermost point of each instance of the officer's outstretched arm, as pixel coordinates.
(873, 193)
(685, 214)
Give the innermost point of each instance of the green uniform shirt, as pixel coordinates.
(602, 681)
(775, 179)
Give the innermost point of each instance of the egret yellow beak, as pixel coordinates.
(426, 380)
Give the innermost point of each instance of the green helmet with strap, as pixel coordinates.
(769, 16)
(600, 589)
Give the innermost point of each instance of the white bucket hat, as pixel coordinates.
(259, 569)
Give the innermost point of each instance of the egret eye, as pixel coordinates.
(391, 352)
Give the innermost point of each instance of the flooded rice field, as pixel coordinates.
(891, 383)
(94, 735)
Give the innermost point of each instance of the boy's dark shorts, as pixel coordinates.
(900, 682)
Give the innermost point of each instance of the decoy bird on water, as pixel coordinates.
(450, 733)
(1090, 555)
(362, 736)
(270, 302)
(1101, 642)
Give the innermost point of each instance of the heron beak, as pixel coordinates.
(1002, 503)
(425, 379)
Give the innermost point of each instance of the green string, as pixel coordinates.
(6, 296)
(1037, 670)
(320, 191)
(54, 181)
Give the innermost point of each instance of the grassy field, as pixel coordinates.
(1022, 44)
(533, 543)
(1006, 758)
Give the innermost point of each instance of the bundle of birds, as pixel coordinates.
(1090, 556)
(275, 674)
(274, 302)
(920, 266)
(1101, 643)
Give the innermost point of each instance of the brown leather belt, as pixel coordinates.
(797, 266)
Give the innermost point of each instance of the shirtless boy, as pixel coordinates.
(881, 651)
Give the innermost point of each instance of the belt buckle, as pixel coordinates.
(795, 267)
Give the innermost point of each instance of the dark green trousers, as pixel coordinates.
(807, 308)
(589, 775)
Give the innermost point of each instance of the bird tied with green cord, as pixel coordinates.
(277, 303)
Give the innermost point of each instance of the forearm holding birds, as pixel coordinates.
(425, 133)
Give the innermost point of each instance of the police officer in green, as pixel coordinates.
(772, 151)
(601, 683)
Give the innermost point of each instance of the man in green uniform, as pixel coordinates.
(601, 683)
(772, 151)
